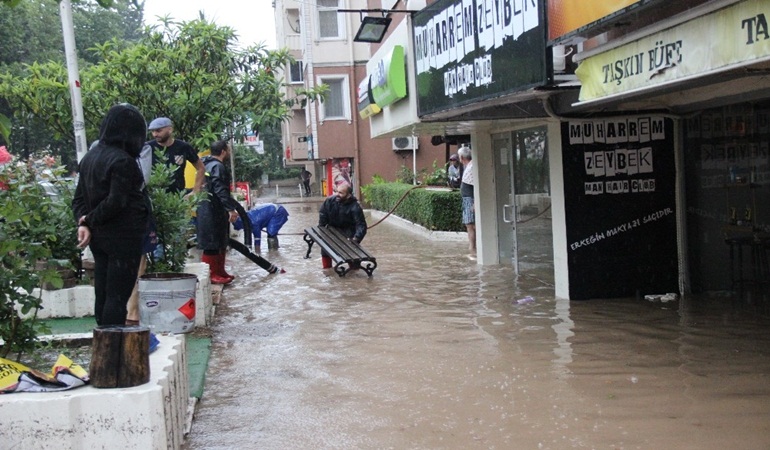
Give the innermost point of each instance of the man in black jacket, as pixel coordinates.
(111, 209)
(342, 211)
(216, 213)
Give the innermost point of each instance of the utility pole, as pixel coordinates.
(78, 122)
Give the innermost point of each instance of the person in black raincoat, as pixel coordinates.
(111, 208)
(342, 211)
(216, 213)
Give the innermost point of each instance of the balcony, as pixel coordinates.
(292, 42)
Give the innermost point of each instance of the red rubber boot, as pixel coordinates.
(214, 276)
(326, 262)
(222, 272)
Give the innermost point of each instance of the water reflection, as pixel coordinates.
(436, 352)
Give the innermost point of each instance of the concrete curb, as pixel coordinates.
(418, 229)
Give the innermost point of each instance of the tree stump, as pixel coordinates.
(120, 356)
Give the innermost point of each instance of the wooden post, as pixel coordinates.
(120, 356)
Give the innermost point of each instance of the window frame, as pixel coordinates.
(341, 30)
(301, 79)
(345, 82)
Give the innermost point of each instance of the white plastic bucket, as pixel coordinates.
(167, 302)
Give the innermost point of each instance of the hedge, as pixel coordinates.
(436, 209)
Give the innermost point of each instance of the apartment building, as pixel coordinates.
(333, 139)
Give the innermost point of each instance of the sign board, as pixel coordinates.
(366, 105)
(619, 195)
(565, 16)
(726, 38)
(467, 51)
(388, 82)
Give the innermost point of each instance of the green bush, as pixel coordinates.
(35, 227)
(435, 209)
(172, 212)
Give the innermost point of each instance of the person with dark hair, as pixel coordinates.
(177, 151)
(343, 212)
(216, 213)
(111, 208)
(454, 172)
(305, 176)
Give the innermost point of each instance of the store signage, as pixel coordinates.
(366, 105)
(619, 202)
(388, 82)
(729, 37)
(467, 51)
(565, 16)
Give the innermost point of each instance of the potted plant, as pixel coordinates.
(167, 295)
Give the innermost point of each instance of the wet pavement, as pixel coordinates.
(436, 352)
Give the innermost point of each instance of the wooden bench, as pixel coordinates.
(345, 253)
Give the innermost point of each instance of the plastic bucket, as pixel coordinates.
(167, 302)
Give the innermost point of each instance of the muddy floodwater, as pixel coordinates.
(437, 352)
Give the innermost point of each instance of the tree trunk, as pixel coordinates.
(120, 356)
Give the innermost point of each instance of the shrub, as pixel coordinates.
(439, 210)
(34, 226)
(172, 212)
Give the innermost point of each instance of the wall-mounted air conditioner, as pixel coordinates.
(405, 143)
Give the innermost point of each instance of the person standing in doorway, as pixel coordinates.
(111, 208)
(305, 175)
(454, 172)
(466, 191)
(216, 213)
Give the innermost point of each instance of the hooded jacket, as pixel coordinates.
(212, 217)
(110, 190)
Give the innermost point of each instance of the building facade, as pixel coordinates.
(333, 138)
(650, 116)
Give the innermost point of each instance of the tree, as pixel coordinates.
(27, 37)
(188, 71)
(104, 3)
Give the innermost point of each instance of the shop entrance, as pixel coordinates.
(523, 198)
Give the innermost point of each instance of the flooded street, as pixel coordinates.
(436, 352)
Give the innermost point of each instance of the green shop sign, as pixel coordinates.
(389, 78)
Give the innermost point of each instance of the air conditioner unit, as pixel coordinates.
(405, 143)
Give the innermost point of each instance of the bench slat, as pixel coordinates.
(340, 249)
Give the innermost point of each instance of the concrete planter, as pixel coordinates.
(78, 301)
(150, 416)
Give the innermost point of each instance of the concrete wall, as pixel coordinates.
(150, 416)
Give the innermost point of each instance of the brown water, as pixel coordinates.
(435, 352)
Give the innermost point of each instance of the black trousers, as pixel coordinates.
(116, 266)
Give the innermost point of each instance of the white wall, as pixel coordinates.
(486, 204)
(558, 216)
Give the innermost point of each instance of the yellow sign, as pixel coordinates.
(565, 16)
(726, 38)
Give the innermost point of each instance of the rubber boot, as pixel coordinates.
(326, 262)
(214, 277)
(221, 265)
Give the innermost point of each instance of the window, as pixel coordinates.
(292, 20)
(336, 106)
(296, 72)
(330, 23)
